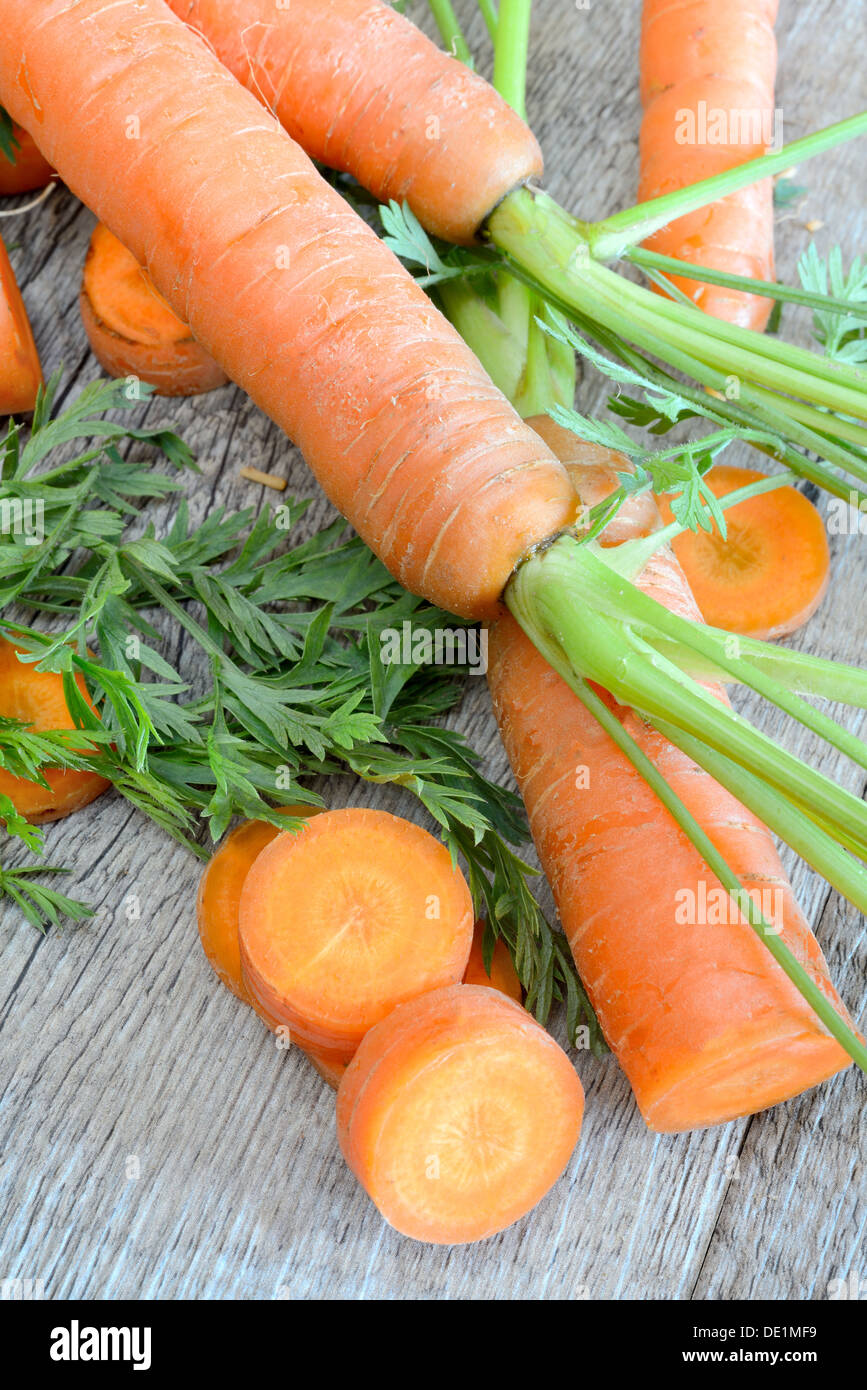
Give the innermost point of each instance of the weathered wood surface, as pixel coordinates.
(122, 1055)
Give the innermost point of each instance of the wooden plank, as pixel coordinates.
(158, 1144)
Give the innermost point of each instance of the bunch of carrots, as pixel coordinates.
(436, 411)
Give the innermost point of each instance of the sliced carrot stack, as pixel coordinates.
(503, 976)
(29, 171)
(131, 328)
(36, 698)
(20, 370)
(770, 573)
(458, 1114)
(359, 912)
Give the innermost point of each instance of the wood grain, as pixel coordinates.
(156, 1142)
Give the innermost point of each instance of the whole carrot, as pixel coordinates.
(363, 90)
(289, 291)
(704, 1023)
(20, 368)
(707, 86)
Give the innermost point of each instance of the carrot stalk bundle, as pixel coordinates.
(707, 86)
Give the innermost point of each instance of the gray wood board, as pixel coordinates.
(156, 1143)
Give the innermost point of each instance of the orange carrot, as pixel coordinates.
(707, 85)
(770, 573)
(28, 171)
(131, 328)
(355, 914)
(36, 698)
(503, 975)
(20, 370)
(291, 293)
(704, 1023)
(458, 1114)
(363, 90)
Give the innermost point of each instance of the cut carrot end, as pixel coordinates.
(219, 896)
(36, 698)
(771, 572)
(359, 912)
(755, 1067)
(20, 369)
(131, 328)
(458, 1114)
(503, 976)
(30, 171)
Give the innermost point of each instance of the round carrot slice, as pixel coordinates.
(219, 897)
(357, 913)
(770, 573)
(29, 170)
(503, 976)
(131, 328)
(36, 698)
(458, 1114)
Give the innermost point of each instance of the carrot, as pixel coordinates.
(363, 90)
(131, 328)
(36, 698)
(355, 914)
(704, 1023)
(20, 370)
(458, 1114)
(503, 975)
(28, 170)
(289, 290)
(707, 86)
(770, 573)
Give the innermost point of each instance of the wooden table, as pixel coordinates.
(156, 1144)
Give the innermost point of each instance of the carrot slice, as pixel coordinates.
(29, 171)
(20, 370)
(131, 328)
(770, 573)
(503, 976)
(458, 1114)
(357, 913)
(219, 896)
(36, 698)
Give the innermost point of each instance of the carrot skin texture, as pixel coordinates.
(702, 1020)
(30, 170)
(363, 90)
(131, 329)
(20, 369)
(464, 1079)
(724, 56)
(36, 698)
(296, 299)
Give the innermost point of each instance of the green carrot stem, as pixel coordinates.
(450, 30)
(766, 289)
(610, 238)
(489, 15)
(510, 52)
